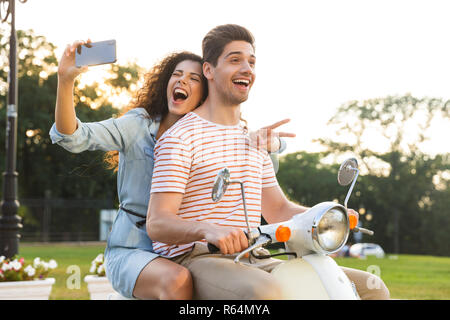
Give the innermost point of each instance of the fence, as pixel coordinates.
(54, 219)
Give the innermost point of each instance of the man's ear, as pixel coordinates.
(208, 70)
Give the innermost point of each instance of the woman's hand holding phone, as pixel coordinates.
(67, 71)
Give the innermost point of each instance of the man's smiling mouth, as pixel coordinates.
(242, 82)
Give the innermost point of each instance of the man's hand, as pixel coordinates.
(266, 138)
(228, 239)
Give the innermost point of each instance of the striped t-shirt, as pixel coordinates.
(187, 159)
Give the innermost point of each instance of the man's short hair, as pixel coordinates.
(216, 40)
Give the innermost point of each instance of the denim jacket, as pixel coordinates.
(134, 136)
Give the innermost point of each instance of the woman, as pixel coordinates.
(172, 88)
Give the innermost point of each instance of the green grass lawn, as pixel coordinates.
(409, 276)
(406, 276)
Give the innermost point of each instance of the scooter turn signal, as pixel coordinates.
(283, 233)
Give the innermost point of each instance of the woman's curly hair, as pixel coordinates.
(153, 94)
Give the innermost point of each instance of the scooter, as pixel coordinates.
(309, 237)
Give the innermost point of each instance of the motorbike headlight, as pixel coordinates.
(331, 230)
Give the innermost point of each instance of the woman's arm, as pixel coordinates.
(268, 139)
(75, 136)
(65, 117)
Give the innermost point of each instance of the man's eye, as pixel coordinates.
(195, 79)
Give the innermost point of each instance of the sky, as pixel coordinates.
(312, 56)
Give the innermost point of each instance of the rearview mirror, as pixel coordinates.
(220, 184)
(347, 171)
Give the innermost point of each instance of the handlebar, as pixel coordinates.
(363, 230)
(212, 248)
(263, 239)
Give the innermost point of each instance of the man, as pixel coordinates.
(187, 159)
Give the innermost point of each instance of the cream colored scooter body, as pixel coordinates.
(314, 277)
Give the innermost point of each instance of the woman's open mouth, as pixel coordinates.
(179, 95)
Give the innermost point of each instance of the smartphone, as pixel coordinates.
(96, 53)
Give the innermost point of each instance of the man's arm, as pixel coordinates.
(275, 207)
(165, 226)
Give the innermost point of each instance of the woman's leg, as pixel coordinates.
(164, 280)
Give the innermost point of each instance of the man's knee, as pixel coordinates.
(377, 289)
(263, 289)
(369, 286)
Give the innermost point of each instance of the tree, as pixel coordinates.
(405, 188)
(306, 180)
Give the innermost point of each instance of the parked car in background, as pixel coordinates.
(366, 249)
(344, 252)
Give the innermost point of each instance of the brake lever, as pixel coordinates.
(261, 241)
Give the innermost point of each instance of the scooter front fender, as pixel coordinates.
(313, 277)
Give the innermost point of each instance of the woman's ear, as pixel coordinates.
(208, 70)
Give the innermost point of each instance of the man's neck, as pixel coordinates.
(217, 111)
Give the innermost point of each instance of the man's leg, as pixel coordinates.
(219, 277)
(368, 285)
